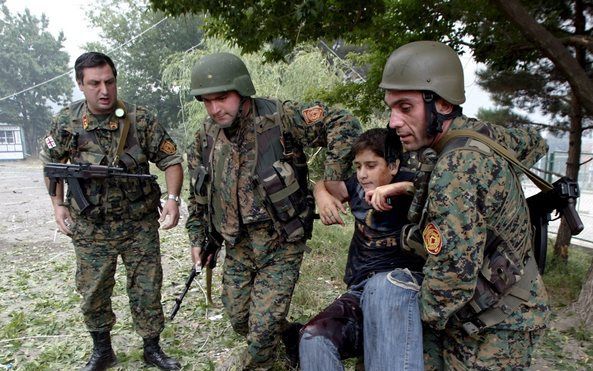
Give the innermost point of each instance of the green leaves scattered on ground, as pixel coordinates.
(41, 326)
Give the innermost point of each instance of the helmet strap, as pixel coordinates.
(434, 118)
(393, 147)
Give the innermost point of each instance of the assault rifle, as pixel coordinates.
(72, 172)
(211, 248)
(561, 198)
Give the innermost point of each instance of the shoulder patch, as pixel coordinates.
(433, 241)
(168, 147)
(50, 142)
(313, 114)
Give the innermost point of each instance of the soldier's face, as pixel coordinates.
(99, 87)
(408, 118)
(222, 107)
(372, 170)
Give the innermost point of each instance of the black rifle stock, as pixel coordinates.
(211, 247)
(71, 173)
(562, 199)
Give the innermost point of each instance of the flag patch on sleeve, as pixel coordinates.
(50, 142)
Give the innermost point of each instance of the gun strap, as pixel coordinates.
(499, 149)
(123, 134)
(209, 285)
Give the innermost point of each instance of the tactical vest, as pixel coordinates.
(279, 176)
(119, 198)
(508, 269)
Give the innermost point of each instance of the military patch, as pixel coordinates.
(432, 239)
(168, 147)
(313, 114)
(85, 121)
(50, 142)
(113, 125)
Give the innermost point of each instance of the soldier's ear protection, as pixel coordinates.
(434, 118)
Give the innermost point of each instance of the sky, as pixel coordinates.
(69, 16)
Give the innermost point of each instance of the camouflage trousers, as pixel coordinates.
(492, 349)
(260, 273)
(97, 249)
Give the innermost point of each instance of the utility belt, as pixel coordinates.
(499, 296)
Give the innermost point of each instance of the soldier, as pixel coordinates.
(249, 188)
(122, 219)
(483, 301)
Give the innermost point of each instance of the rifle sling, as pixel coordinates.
(123, 134)
(499, 149)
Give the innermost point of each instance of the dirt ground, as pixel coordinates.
(25, 205)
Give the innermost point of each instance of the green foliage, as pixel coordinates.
(375, 28)
(564, 279)
(280, 80)
(30, 55)
(503, 117)
(140, 62)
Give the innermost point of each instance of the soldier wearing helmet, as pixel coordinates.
(482, 300)
(250, 191)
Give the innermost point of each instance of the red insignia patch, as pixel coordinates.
(85, 122)
(313, 114)
(113, 125)
(168, 147)
(433, 241)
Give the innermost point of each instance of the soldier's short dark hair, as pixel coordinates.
(376, 141)
(92, 59)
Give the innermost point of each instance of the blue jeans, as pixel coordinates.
(391, 330)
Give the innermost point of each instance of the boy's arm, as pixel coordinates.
(329, 197)
(378, 198)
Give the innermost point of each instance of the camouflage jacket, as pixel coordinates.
(472, 193)
(311, 125)
(81, 137)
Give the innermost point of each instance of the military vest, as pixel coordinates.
(111, 198)
(508, 269)
(275, 187)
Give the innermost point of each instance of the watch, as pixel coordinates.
(175, 198)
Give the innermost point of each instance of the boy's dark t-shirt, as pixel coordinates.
(375, 243)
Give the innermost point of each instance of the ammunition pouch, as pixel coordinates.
(500, 290)
(291, 206)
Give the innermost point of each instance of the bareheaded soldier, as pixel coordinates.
(483, 301)
(250, 189)
(122, 216)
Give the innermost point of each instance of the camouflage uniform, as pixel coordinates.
(260, 268)
(123, 217)
(474, 194)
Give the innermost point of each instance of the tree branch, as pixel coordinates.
(579, 41)
(552, 48)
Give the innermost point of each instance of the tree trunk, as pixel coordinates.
(575, 134)
(585, 302)
(572, 171)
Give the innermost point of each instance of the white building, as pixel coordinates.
(12, 145)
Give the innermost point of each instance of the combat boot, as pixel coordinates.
(154, 355)
(291, 337)
(103, 356)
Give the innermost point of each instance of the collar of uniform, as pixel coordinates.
(91, 122)
(458, 123)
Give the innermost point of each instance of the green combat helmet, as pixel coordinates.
(428, 66)
(220, 72)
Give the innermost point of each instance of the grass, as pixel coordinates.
(41, 326)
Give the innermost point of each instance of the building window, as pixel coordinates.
(7, 137)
